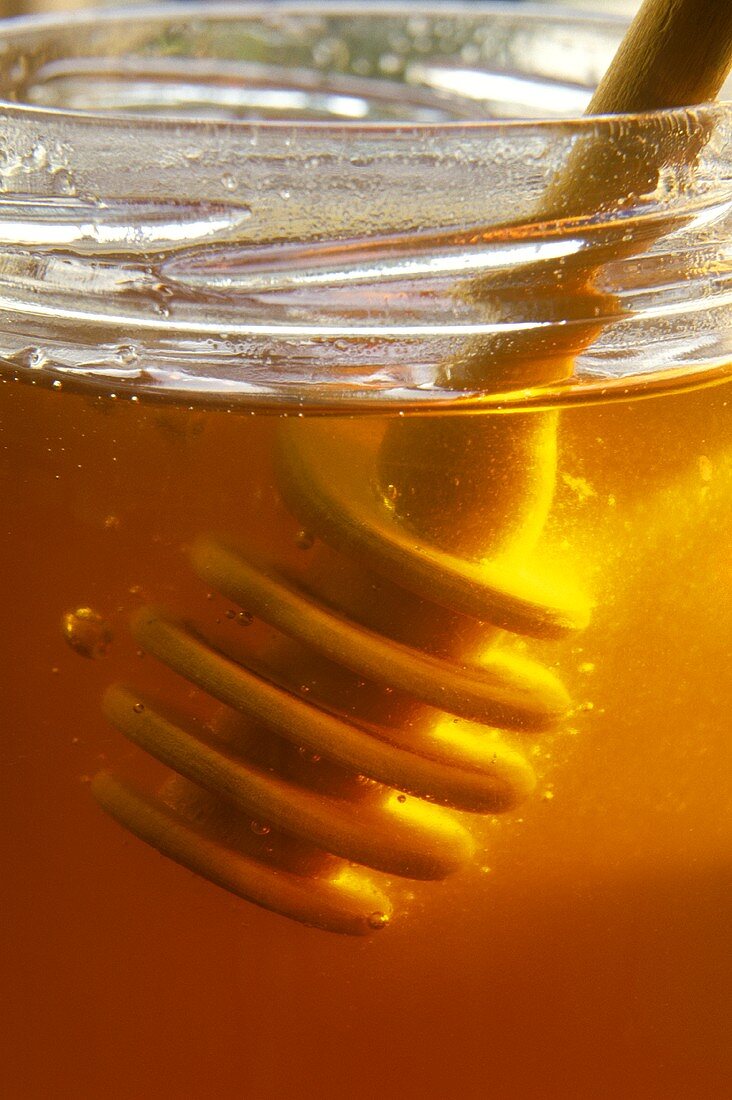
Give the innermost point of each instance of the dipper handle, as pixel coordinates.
(676, 53)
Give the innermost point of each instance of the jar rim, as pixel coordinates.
(39, 25)
(332, 264)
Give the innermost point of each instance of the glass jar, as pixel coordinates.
(366, 471)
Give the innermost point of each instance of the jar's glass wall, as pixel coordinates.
(314, 198)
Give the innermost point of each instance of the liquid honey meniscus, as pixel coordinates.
(435, 674)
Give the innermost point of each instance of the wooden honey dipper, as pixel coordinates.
(676, 53)
(433, 515)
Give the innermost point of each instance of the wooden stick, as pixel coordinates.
(676, 53)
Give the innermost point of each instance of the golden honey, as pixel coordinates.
(586, 930)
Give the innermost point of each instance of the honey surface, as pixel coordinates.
(582, 951)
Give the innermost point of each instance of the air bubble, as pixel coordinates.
(35, 358)
(63, 182)
(470, 54)
(87, 632)
(390, 64)
(331, 53)
(128, 354)
(377, 920)
(139, 708)
(304, 540)
(391, 496)
(260, 829)
(38, 156)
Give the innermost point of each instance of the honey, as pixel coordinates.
(577, 950)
